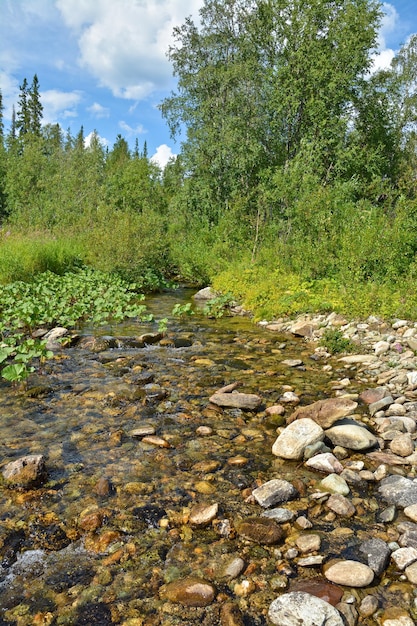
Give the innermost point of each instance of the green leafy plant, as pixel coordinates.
(335, 343)
(218, 307)
(182, 310)
(84, 296)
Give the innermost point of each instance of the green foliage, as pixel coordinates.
(335, 343)
(52, 300)
(23, 255)
(182, 310)
(218, 307)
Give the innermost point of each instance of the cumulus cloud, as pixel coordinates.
(124, 43)
(132, 130)
(162, 155)
(98, 110)
(58, 105)
(389, 23)
(88, 139)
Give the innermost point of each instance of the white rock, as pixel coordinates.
(325, 462)
(298, 607)
(403, 557)
(293, 440)
(381, 347)
(335, 484)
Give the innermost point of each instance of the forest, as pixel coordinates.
(295, 189)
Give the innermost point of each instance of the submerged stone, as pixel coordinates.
(192, 591)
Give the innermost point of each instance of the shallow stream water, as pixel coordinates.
(99, 540)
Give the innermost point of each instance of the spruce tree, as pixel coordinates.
(35, 107)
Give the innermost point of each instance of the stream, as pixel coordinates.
(132, 444)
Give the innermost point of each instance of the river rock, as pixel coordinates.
(368, 606)
(359, 359)
(349, 573)
(53, 336)
(303, 328)
(293, 440)
(325, 462)
(398, 490)
(377, 554)
(381, 404)
(230, 615)
(202, 514)
(325, 412)
(298, 607)
(25, 473)
(403, 445)
(274, 492)
(351, 436)
(260, 529)
(308, 543)
(411, 512)
(411, 573)
(192, 591)
(236, 400)
(207, 293)
(340, 505)
(280, 515)
(320, 588)
(335, 484)
(369, 396)
(403, 557)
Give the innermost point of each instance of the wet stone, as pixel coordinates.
(398, 490)
(377, 554)
(260, 529)
(349, 573)
(293, 440)
(203, 514)
(322, 589)
(280, 515)
(192, 591)
(340, 505)
(299, 607)
(230, 615)
(368, 606)
(244, 401)
(26, 472)
(403, 557)
(274, 492)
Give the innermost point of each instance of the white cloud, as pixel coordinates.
(87, 140)
(58, 105)
(130, 130)
(124, 43)
(98, 110)
(389, 24)
(162, 155)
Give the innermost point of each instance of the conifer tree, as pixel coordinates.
(35, 107)
(23, 112)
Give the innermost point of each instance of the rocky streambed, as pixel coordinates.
(225, 473)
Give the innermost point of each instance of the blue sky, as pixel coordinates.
(102, 63)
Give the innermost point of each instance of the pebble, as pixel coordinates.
(274, 492)
(325, 462)
(260, 529)
(192, 591)
(335, 484)
(202, 514)
(280, 515)
(340, 505)
(368, 606)
(308, 543)
(349, 573)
